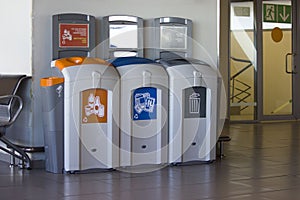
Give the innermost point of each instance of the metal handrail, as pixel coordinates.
(242, 70)
(241, 91)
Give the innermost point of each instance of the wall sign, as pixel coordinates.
(240, 11)
(73, 35)
(277, 13)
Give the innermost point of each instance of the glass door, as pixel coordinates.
(264, 78)
(243, 52)
(279, 76)
(277, 60)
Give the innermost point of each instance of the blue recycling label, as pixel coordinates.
(144, 103)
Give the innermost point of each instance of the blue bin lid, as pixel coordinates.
(122, 61)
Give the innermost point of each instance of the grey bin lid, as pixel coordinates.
(181, 61)
(171, 59)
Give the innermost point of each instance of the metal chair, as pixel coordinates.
(10, 107)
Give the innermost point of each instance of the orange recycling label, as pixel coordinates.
(94, 106)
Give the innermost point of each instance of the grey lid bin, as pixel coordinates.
(53, 112)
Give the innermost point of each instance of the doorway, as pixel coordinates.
(263, 60)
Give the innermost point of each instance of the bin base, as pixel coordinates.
(142, 168)
(192, 163)
(87, 171)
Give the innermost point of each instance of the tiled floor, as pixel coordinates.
(262, 162)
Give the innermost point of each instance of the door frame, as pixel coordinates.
(258, 11)
(258, 82)
(296, 50)
(241, 60)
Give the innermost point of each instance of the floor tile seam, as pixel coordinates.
(267, 190)
(26, 185)
(237, 195)
(61, 194)
(165, 186)
(88, 193)
(159, 185)
(261, 188)
(229, 166)
(229, 196)
(141, 189)
(11, 186)
(197, 183)
(82, 195)
(260, 177)
(270, 177)
(129, 178)
(75, 181)
(278, 190)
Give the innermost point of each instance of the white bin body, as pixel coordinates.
(192, 113)
(144, 116)
(91, 117)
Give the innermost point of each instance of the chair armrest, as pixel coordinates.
(13, 109)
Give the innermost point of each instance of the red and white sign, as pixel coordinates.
(73, 35)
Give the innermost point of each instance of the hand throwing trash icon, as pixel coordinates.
(66, 36)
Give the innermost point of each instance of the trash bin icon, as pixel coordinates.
(194, 103)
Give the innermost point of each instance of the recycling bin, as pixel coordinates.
(193, 98)
(143, 110)
(91, 113)
(53, 113)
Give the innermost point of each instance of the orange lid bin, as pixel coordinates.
(50, 81)
(73, 61)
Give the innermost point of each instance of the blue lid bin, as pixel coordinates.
(143, 110)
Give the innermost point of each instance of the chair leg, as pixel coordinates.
(221, 150)
(12, 158)
(24, 157)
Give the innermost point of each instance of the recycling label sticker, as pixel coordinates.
(144, 103)
(194, 102)
(94, 106)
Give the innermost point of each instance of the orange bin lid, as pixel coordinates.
(50, 81)
(73, 61)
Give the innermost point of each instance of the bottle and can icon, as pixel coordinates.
(94, 106)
